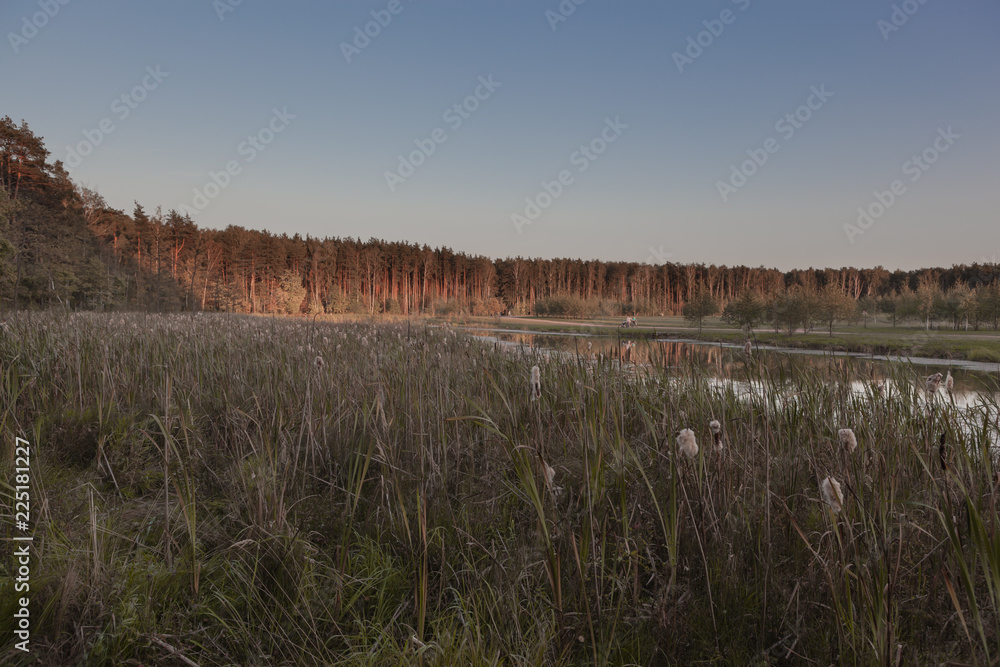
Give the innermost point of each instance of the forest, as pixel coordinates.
(63, 246)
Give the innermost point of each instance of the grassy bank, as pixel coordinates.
(221, 489)
(933, 345)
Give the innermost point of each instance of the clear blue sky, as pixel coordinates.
(656, 186)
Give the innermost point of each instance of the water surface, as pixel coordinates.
(973, 381)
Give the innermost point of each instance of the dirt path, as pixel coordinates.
(534, 320)
(608, 325)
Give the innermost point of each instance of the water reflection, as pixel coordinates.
(730, 363)
(784, 376)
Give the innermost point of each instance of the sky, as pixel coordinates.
(788, 133)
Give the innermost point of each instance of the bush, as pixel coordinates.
(564, 306)
(625, 309)
(290, 293)
(746, 312)
(336, 302)
(448, 308)
(701, 306)
(357, 308)
(491, 307)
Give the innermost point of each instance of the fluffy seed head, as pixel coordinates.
(848, 440)
(535, 384)
(933, 382)
(949, 382)
(687, 443)
(318, 362)
(716, 428)
(832, 495)
(550, 480)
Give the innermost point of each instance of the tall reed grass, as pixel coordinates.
(207, 491)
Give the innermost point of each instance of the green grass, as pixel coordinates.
(203, 490)
(984, 354)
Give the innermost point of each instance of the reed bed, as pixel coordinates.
(216, 489)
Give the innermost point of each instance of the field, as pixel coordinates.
(213, 490)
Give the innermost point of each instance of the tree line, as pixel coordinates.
(800, 308)
(61, 244)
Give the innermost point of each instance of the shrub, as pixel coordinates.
(490, 307)
(564, 306)
(337, 302)
(448, 308)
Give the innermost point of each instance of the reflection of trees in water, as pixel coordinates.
(723, 361)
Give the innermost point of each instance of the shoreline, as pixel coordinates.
(978, 349)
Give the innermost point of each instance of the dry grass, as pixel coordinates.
(205, 490)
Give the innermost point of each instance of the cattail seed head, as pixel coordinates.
(848, 440)
(716, 428)
(318, 362)
(832, 495)
(550, 480)
(949, 382)
(933, 383)
(687, 443)
(535, 384)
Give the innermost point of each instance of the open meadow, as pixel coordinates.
(224, 489)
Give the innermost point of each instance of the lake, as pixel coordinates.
(974, 381)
